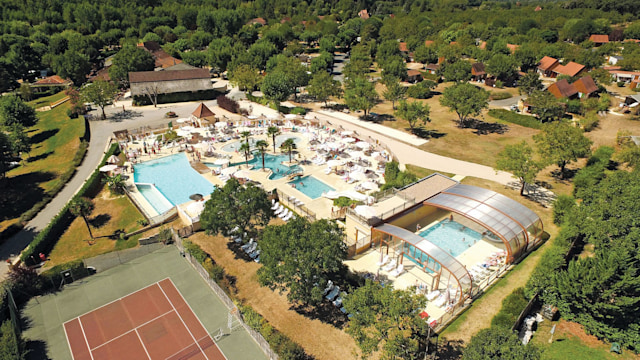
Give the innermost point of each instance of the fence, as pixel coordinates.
(300, 209)
(260, 340)
(355, 247)
(115, 258)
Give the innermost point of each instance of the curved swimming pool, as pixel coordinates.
(235, 146)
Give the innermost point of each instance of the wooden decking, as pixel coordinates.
(200, 167)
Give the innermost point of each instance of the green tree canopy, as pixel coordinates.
(277, 86)
(385, 320)
(458, 71)
(300, 257)
(529, 83)
(545, 106)
(82, 206)
(238, 207)
(100, 92)
(14, 111)
(72, 65)
(394, 90)
(504, 67)
(322, 86)
(562, 143)
(245, 77)
(499, 343)
(425, 55)
(465, 100)
(415, 113)
(518, 159)
(360, 94)
(130, 59)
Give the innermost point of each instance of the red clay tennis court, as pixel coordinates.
(152, 323)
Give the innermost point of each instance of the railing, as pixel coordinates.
(355, 247)
(109, 260)
(300, 209)
(226, 300)
(407, 204)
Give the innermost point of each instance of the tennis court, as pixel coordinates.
(153, 307)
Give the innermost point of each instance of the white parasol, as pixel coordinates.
(334, 163)
(252, 117)
(243, 174)
(182, 120)
(365, 211)
(108, 168)
(369, 185)
(363, 145)
(348, 140)
(220, 125)
(357, 175)
(346, 133)
(291, 116)
(229, 170)
(309, 117)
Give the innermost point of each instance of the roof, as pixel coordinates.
(202, 111)
(599, 39)
(403, 47)
(585, 85)
(482, 45)
(364, 14)
(413, 72)
(258, 20)
(53, 80)
(432, 66)
(571, 69)
(428, 43)
(150, 45)
(150, 76)
(503, 216)
(180, 66)
(538, 8)
(547, 63)
(428, 186)
(512, 47)
(478, 69)
(562, 89)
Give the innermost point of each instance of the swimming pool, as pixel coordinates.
(451, 236)
(173, 177)
(154, 197)
(235, 146)
(311, 186)
(272, 162)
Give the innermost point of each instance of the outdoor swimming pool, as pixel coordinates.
(311, 186)
(173, 177)
(154, 197)
(451, 236)
(272, 162)
(235, 146)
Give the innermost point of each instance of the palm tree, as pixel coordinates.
(245, 147)
(273, 131)
(245, 135)
(114, 183)
(288, 145)
(82, 207)
(262, 146)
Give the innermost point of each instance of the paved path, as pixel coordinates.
(505, 103)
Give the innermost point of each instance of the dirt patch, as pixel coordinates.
(322, 340)
(577, 330)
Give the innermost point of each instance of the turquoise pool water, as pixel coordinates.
(451, 236)
(174, 178)
(311, 186)
(272, 162)
(235, 146)
(155, 198)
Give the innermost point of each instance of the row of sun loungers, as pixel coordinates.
(392, 267)
(281, 211)
(250, 248)
(333, 294)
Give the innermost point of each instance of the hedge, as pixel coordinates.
(44, 241)
(511, 308)
(515, 118)
(52, 277)
(500, 95)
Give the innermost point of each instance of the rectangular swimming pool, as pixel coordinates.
(311, 186)
(173, 177)
(451, 236)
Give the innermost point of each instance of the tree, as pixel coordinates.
(499, 343)
(395, 91)
(82, 206)
(359, 63)
(561, 143)
(290, 256)
(425, 55)
(20, 141)
(277, 87)
(545, 106)
(14, 111)
(130, 59)
(235, 208)
(413, 112)
(360, 94)
(529, 83)
(322, 63)
(295, 73)
(394, 67)
(465, 100)
(518, 159)
(385, 320)
(504, 67)
(115, 183)
(421, 90)
(6, 152)
(262, 147)
(322, 86)
(244, 77)
(101, 93)
(527, 58)
(26, 92)
(245, 148)
(288, 145)
(459, 71)
(72, 65)
(273, 131)
(11, 344)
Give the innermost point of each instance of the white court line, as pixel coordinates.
(141, 342)
(134, 329)
(194, 313)
(183, 323)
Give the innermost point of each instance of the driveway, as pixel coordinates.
(506, 103)
(339, 61)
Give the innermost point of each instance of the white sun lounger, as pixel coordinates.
(275, 206)
(432, 295)
(390, 266)
(384, 260)
(288, 217)
(398, 271)
(279, 209)
(284, 214)
(247, 245)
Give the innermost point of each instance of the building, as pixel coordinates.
(562, 89)
(403, 48)
(512, 47)
(571, 69)
(432, 68)
(428, 43)
(625, 76)
(162, 59)
(478, 72)
(546, 64)
(258, 20)
(598, 40)
(363, 14)
(414, 76)
(586, 87)
(613, 59)
(154, 83)
(51, 81)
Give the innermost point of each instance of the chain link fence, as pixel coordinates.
(115, 258)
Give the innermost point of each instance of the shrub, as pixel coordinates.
(590, 121)
(499, 84)
(500, 95)
(574, 106)
(522, 120)
(561, 206)
(512, 306)
(228, 104)
(344, 201)
(298, 111)
(421, 90)
(195, 251)
(620, 83)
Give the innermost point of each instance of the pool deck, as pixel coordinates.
(321, 206)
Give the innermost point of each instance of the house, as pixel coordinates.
(632, 100)
(512, 47)
(432, 68)
(613, 59)
(403, 48)
(598, 40)
(562, 89)
(477, 72)
(203, 113)
(625, 76)
(363, 14)
(482, 45)
(571, 69)
(154, 83)
(162, 59)
(49, 82)
(258, 20)
(538, 8)
(586, 87)
(428, 43)
(180, 66)
(414, 76)
(547, 64)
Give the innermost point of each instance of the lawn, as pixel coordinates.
(110, 214)
(478, 316)
(421, 172)
(321, 340)
(55, 140)
(47, 100)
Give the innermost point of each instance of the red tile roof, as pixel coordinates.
(413, 72)
(259, 20)
(562, 89)
(571, 69)
(483, 45)
(428, 43)
(202, 111)
(538, 8)
(403, 47)
(599, 39)
(364, 14)
(477, 69)
(547, 63)
(585, 85)
(150, 76)
(432, 66)
(512, 47)
(53, 80)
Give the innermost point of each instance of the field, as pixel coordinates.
(55, 140)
